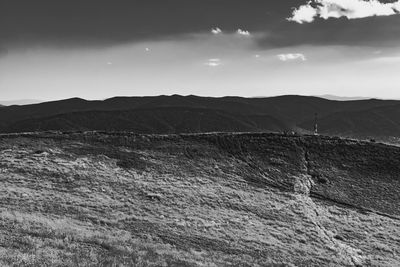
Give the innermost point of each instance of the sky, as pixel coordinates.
(95, 49)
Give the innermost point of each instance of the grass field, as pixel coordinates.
(182, 201)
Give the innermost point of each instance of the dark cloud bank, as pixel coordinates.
(92, 23)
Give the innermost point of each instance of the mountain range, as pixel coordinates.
(20, 102)
(367, 118)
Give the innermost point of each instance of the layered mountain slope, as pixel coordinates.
(170, 114)
(152, 120)
(197, 200)
(378, 122)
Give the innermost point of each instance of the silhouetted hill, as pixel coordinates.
(342, 98)
(20, 102)
(177, 114)
(151, 120)
(374, 122)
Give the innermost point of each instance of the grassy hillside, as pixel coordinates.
(100, 199)
(193, 114)
(151, 120)
(378, 122)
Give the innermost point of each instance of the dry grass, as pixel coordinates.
(74, 204)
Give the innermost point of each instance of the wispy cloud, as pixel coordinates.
(216, 31)
(291, 57)
(213, 62)
(351, 9)
(243, 32)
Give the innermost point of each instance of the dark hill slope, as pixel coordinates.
(291, 108)
(296, 109)
(171, 114)
(47, 109)
(376, 122)
(154, 120)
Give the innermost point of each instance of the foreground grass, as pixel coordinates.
(73, 203)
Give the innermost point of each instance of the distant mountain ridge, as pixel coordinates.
(189, 114)
(20, 102)
(343, 98)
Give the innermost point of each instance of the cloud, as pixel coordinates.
(305, 13)
(351, 9)
(213, 62)
(290, 57)
(216, 31)
(243, 32)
